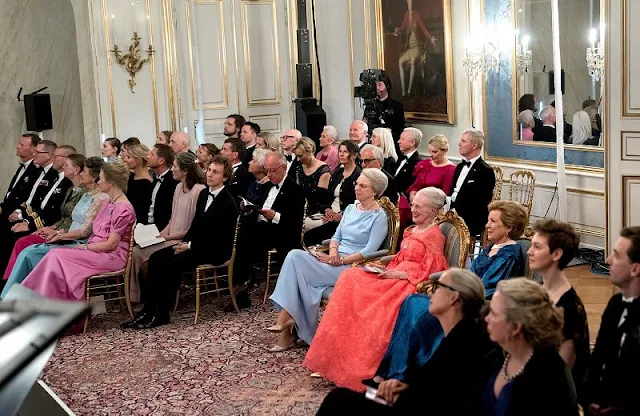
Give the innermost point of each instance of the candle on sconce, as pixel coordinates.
(525, 42)
(113, 30)
(185, 129)
(103, 137)
(147, 27)
(593, 33)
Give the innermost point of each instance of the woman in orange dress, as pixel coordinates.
(356, 327)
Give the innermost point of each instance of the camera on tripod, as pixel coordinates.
(369, 78)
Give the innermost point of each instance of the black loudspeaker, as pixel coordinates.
(310, 119)
(37, 109)
(552, 85)
(304, 80)
(304, 51)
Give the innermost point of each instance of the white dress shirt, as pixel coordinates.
(271, 198)
(236, 166)
(154, 193)
(463, 175)
(404, 161)
(52, 190)
(625, 312)
(23, 169)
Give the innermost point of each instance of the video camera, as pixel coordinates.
(369, 78)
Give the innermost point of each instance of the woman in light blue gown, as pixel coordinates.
(304, 276)
(83, 215)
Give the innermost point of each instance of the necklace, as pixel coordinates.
(517, 373)
(499, 246)
(116, 198)
(421, 230)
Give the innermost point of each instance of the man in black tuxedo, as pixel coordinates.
(208, 241)
(546, 133)
(612, 378)
(248, 135)
(288, 142)
(164, 186)
(408, 143)
(24, 178)
(371, 157)
(234, 151)
(473, 183)
(276, 224)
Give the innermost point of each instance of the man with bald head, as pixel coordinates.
(179, 142)
(288, 142)
(358, 133)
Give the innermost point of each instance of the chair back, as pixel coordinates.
(457, 238)
(233, 251)
(497, 190)
(393, 224)
(304, 215)
(521, 186)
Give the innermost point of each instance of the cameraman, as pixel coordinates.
(386, 111)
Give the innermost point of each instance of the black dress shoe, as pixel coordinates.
(156, 319)
(141, 317)
(242, 300)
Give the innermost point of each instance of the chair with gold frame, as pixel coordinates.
(206, 275)
(271, 254)
(112, 285)
(521, 187)
(497, 189)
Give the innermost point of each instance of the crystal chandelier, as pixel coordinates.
(481, 58)
(595, 57)
(523, 56)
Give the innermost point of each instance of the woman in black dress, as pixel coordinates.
(140, 182)
(313, 177)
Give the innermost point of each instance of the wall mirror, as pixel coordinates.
(523, 85)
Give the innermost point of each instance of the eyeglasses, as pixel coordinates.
(269, 171)
(366, 161)
(287, 137)
(436, 284)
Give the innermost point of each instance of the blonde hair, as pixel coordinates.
(271, 141)
(528, 303)
(117, 174)
(386, 142)
(512, 215)
(305, 144)
(470, 288)
(139, 152)
(440, 141)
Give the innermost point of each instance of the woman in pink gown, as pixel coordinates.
(356, 327)
(437, 172)
(61, 274)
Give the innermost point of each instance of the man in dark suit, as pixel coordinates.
(234, 151)
(276, 224)
(473, 183)
(208, 241)
(24, 178)
(612, 377)
(408, 143)
(164, 186)
(546, 133)
(248, 135)
(371, 157)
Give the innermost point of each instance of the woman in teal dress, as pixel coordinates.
(417, 333)
(81, 227)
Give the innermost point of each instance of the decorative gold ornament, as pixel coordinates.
(132, 61)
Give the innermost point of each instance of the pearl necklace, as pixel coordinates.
(517, 373)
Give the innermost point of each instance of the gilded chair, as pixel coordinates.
(111, 285)
(206, 278)
(521, 186)
(272, 253)
(497, 190)
(457, 242)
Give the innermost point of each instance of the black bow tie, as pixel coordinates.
(465, 163)
(402, 157)
(158, 179)
(212, 195)
(289, 158)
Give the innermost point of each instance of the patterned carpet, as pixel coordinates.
(218, 367)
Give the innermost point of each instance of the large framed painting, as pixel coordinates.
(414, 49)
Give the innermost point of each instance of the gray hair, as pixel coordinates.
(377, 152)
(415, 134)
(363, 125)
(475, 135)
(279, 156)
(379, 180)
(386, 142)
(259, 155)
(331, 131)
(547, 112)
(435, 196)
(470, 288)
(526, 118)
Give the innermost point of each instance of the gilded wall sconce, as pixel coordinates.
(132, 61)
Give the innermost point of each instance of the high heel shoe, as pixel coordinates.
(294, 339)
(280, 328)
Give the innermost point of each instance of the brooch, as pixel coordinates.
(44, 182)
(57, 191)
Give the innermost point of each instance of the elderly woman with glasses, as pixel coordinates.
(306, 274)
(357, 324)
(449, 384)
